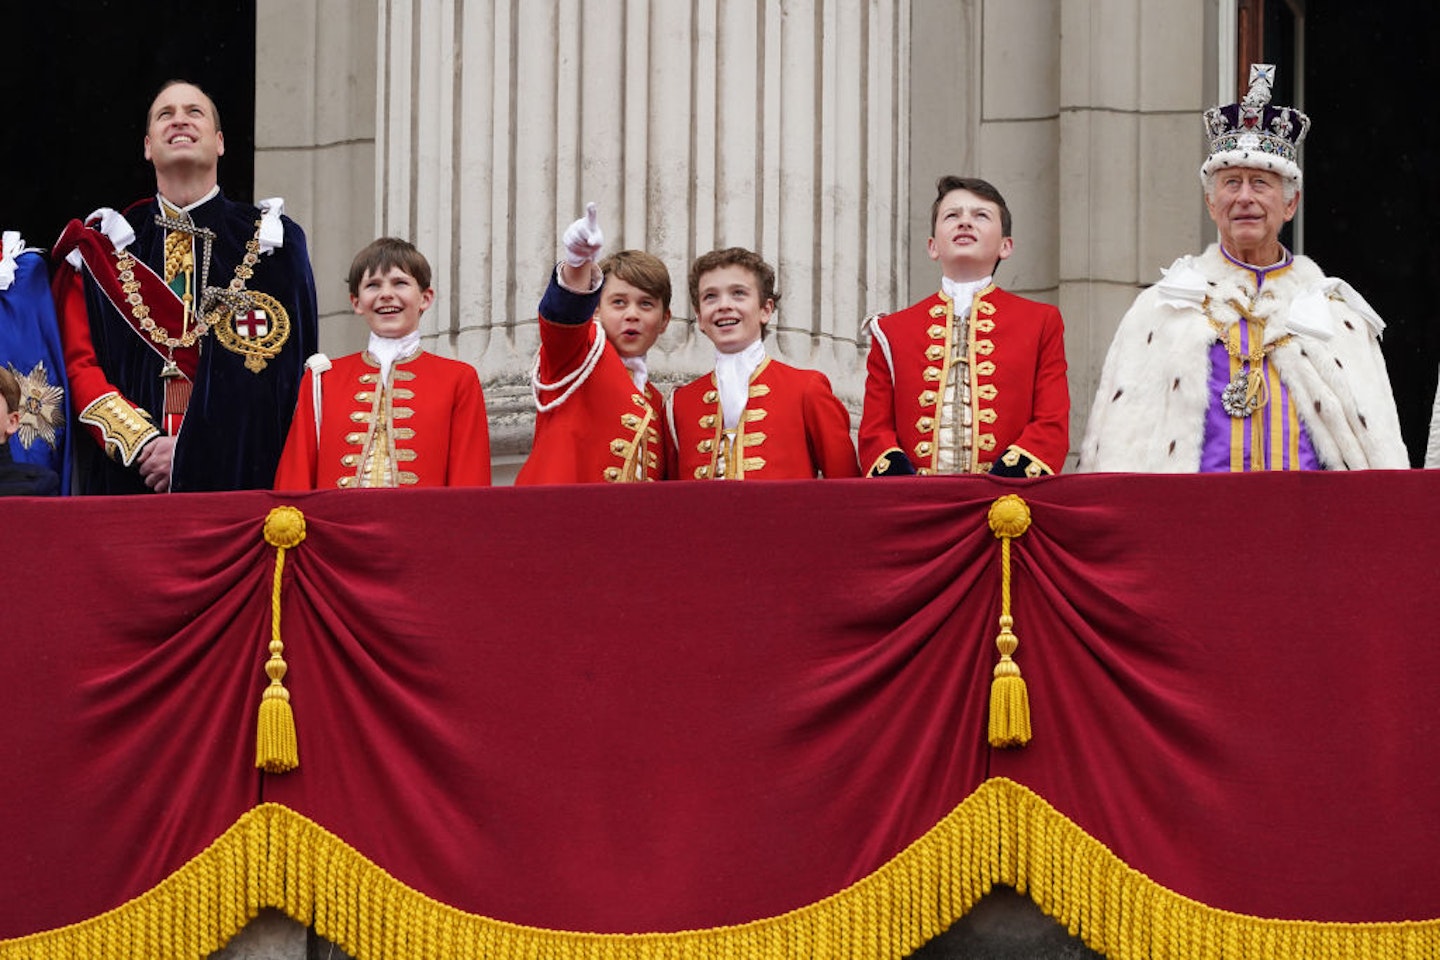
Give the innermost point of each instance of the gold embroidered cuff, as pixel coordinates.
(1035, 467)
(892, 463)
(124, 428)
(1017, 462)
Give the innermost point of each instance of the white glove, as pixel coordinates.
(583, 239)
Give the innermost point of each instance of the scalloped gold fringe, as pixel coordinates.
(1001, 834)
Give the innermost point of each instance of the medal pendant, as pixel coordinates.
(170, 371)
(254, 325)
(1235, 400)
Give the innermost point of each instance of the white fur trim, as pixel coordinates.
(1255, 160)
(1355, 302)
(1432, 449)
(1148, 414)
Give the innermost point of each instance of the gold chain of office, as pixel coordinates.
(140, 310)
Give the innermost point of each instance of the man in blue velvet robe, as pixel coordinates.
(186, 321)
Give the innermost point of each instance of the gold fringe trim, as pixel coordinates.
(1009, 699)
(1003, 833)
(277, 749)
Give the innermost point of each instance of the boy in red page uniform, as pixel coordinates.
(753, 418)
(393, 415)
(970, 379)
(597, 413)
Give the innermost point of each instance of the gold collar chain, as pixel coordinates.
(140, 310)
(214, 297)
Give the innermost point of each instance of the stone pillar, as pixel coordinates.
(315, 139)
(944, 109)
(777, 126)
(1132, 88)
(1019, 135)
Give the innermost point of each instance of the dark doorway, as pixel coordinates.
(1372, 179)
(80, 75)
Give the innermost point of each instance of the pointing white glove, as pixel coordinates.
(583, 239)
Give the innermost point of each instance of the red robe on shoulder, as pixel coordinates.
(430, 419)
(793, 427)
(1018, 390)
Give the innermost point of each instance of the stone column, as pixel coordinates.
(315, 139)
(944, 110)
(778, 126)
(1132, 88)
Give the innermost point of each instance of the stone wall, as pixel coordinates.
(812, 131)
(315, 94)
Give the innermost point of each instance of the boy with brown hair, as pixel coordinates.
(393, 415)
(972, 378)
(597, 413)
(19, 479)
(754, 417)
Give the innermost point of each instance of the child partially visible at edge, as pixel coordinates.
(19, 479)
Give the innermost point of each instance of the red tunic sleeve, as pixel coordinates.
(469, 464)
(299, 458)
(827, 429)
(877, 416)
(117, 425)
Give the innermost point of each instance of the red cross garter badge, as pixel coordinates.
(252, 324)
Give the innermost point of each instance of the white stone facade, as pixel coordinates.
(811, 131)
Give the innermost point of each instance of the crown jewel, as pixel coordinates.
(1255, 132)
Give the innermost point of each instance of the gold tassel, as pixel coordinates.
(1009, 700)
(276, 747)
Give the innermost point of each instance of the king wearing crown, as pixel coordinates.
(1246, 357)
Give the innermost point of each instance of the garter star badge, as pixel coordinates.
(42, 406)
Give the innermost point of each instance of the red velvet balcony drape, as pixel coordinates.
(691, 705)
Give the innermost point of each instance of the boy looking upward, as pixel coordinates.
(971, 379)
